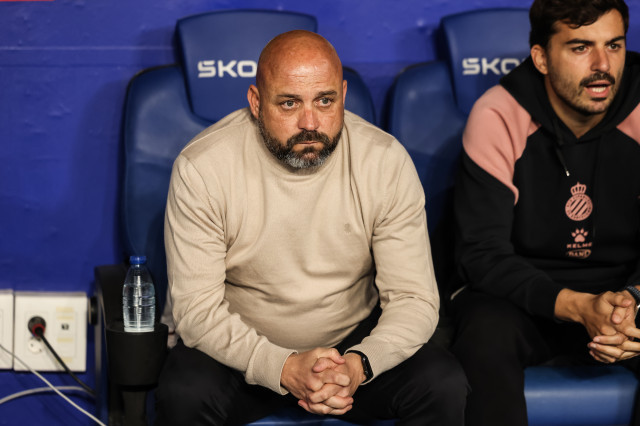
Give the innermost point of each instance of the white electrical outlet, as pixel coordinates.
(65, 315)
(6, 328)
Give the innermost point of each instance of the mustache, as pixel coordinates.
(308, 136)
(599, 76)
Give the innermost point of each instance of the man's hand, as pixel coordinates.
(610, 349)
(603, 350)
(313, 377)
(608, 318)
(334, 395)
(595, 312)
(625, 311)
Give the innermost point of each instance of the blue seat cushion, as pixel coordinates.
(584, 395)
(297, 416)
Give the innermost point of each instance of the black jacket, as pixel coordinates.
(526, 229)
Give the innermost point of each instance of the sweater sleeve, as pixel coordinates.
(484, 202)
(196, 251)
(404, 271)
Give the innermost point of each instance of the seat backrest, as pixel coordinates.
(426, 120)
(482, 46)
(167, 106)
(359, 100)
(219, 53)
(429, 104)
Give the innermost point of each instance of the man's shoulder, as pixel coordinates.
(497, 98)
(497, 106)
(375, 156)
(225, 134)
(366, 138)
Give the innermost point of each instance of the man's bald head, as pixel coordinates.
(298, 99)
(295, 48)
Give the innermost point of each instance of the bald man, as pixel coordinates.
(299, 262)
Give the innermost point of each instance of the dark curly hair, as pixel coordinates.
(576, 13)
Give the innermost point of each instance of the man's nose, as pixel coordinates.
(308, 119)
(601, 60)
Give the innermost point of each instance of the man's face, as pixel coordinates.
(584, 67)
(300, 110)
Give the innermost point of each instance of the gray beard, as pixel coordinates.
(303, 159)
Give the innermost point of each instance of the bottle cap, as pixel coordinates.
(138, 260)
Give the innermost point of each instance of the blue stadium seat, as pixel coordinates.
(428, 107)
(293, 416)
(165, 107)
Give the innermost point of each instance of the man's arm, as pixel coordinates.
(483, 208)
(404, 271)
(196, 250)
(484, 200)
(405, 280)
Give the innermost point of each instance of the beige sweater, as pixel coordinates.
(264, 261)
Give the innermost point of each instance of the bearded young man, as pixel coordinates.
(547, 204)
(299, 262)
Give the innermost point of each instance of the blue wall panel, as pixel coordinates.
(64, 68)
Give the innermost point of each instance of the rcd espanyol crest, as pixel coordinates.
(579, 206)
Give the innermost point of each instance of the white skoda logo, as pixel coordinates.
(484, 66)
(212, 68)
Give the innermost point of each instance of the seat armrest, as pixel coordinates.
(135, 359)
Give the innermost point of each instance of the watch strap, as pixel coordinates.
(366, 366)
(634, 292)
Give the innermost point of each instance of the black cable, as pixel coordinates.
(37, 326)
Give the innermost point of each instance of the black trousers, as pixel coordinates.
(429, 388)
(495, 341)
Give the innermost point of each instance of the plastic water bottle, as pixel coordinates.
(138, 297)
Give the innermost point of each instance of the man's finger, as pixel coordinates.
(611, 353)
(326, 392)
(619, 314)
(630, 346)
(323, 409)
(632, 332)
(338, 402)
(601, 358)
(332, 354)
(322, 364)
(335, 377)
(629, 355)
(616, 339)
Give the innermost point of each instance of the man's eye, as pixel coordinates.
(325, 101)
(579, 49)
(289, 104)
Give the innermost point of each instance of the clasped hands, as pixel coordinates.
(323, 381)
(611, 324)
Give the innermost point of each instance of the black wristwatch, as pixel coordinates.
(635, 293)
(366, 367)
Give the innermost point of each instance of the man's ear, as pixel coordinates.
(253, 96)
(344, 91)
(539, 57)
